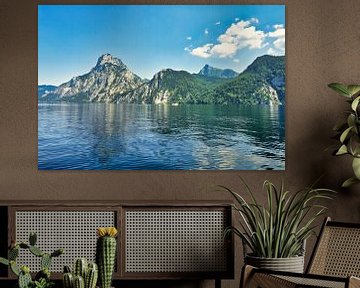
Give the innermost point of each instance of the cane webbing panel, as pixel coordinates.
(338, 252)
(313, 282)
(175, 241)
(260, 280)
(75, 231)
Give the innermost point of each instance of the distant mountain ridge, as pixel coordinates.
(210, 71)
(110, 81)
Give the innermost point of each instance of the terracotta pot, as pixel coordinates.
(291, 264)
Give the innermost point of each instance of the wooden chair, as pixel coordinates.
(335, 262)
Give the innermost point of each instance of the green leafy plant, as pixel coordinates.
(42, 278)
(43, 283)
(349, 132)
(279, 229)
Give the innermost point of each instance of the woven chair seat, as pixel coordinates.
(313, 282)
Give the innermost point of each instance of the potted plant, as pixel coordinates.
(106, 254)
(84, 274)
(276, 233)
(42, 278)
(348, 132)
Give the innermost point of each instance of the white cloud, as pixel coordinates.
(242, 35)
(238, 36)
(218, 23)
(188, 38)
(278, 32)
(225, 49)
(278, 26)
(203, 51)
(278, 45)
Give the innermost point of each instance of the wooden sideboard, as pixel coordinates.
(157, 240)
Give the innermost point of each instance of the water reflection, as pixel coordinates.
(152, 137)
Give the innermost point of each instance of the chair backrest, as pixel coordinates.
(337, 251)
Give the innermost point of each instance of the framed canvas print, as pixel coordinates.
(161, 87)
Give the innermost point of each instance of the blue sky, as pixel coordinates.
(148, 38)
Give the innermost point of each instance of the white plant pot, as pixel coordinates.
(291, 264)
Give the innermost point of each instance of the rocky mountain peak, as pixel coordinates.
(109, 59)
(205, 69)
(210, 71)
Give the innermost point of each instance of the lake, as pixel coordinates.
(99, 136)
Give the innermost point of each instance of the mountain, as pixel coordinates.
(210, 71)
(272, 70)
(108, 80)
(45, 89)
(262, 82)
(170, 86)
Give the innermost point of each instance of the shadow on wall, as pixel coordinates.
(314, 158)
(334, 169)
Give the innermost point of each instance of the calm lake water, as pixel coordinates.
(161, 137)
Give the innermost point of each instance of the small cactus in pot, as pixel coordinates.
(106, 254)
(91, 276)
(85, 275)
(68, 278)
(81, 266)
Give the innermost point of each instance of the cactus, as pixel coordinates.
(45, 261)
(14, 268)
(57, 253)
(42, 278)
(24, 280)
(91, 276)
(25, 269)
(13, 253)
(4, 261)
(79, 282)
(106, 254)
(43, 274)
(24, 246)
(36, 251)
(32, 239)
(90, 272)
(80, 268)
(68, 280)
